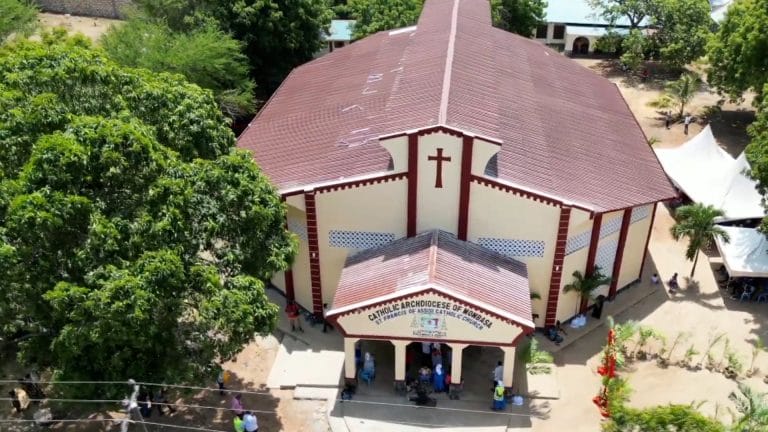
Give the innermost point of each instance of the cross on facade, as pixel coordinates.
(439, 158)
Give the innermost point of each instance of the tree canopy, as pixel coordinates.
(134, 237)
(635, 11)
(737, 52)
(682, 30)
(205, 56)
(518, 16)
(277, 35)
(669, 418)
(16, 16)
(377, 15)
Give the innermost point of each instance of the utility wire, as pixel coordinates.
(148, 384)
(153, 403)
(113, 420)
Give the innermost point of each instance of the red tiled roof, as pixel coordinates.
(565, 131)
(436, 260)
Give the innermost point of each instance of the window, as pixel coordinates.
(541, 31)
(559, 32)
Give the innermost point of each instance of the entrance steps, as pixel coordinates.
(298, 365)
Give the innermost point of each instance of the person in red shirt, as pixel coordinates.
(292, 310)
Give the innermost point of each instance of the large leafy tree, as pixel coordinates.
(518, 16)
(697, 223)
(586, 285)
(737, 52)
(376, 15)
(205, 56)
(635, 11)
(134, 239)
(682, 29)
(278, 35)
(16, 16)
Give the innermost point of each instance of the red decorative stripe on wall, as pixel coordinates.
(625, 220)
(523, 193)
(357, 183)
(314, 253)
(466, 174)
(557, 266)
(413, 181)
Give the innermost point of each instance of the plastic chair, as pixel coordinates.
(747, 294)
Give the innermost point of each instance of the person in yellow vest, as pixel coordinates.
(239, 423)
(499, 403)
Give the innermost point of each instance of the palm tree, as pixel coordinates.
(697, 222)
(586, 285)
(753, 409)
(683, 90)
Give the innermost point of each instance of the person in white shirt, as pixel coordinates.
(250, 422)
(498, 374)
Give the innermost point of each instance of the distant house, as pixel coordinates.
(339, 35)
(573, 26)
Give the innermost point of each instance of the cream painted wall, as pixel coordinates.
(568, 303)
(278, 280)
(634, 250)
(301, 277)
(438, 208)
(579, 221)
(296, 201)
(451, 322)
(498, 214)
(482, 151)
(379, 207)
(398, 151)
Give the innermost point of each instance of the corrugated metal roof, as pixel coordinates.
(565, 131)
(436, 259)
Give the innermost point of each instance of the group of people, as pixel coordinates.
(29, 391)
(147, 401)
(244, 421)
(687, 120)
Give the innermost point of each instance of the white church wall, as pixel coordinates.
(634, 250)
(605, 256)
(482, 151)
(296, 201)
(496, 214)
(568, 303)
(297, 223)
(398, 151)
(357, 218)
(438, 208)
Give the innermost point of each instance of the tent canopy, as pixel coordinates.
(746, 255)
(709, 175)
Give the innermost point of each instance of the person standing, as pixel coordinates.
(498, 374)
(439, 379)
(239, 423)
(686, 122)
(292, 310)
(161, 399)
(498, 397)
(326, 326)
(220, 381)
(250, 422)
(237, 405)
(667, 119)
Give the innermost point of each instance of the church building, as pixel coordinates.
(445, 180)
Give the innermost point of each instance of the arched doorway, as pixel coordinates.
(581, 45)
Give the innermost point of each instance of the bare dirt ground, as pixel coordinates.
(89, 26)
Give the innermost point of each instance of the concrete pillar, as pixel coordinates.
(457, 351)
(400, 347)
(350, 368)
(509, 366)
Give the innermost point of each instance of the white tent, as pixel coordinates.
(709, 175)
(746, 255)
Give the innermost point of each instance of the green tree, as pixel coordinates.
(736, 53)
(610, 43)
(134, 238)
(635, 11)
(682, 29)
(683, 90)
(752, 407)
(697, 223)
(277, 35)
(377, 15)
(205, 56)
(586, 285)
(668, 418)
(757, 151)
(16, 16)
(518, 16)
(633, 47)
